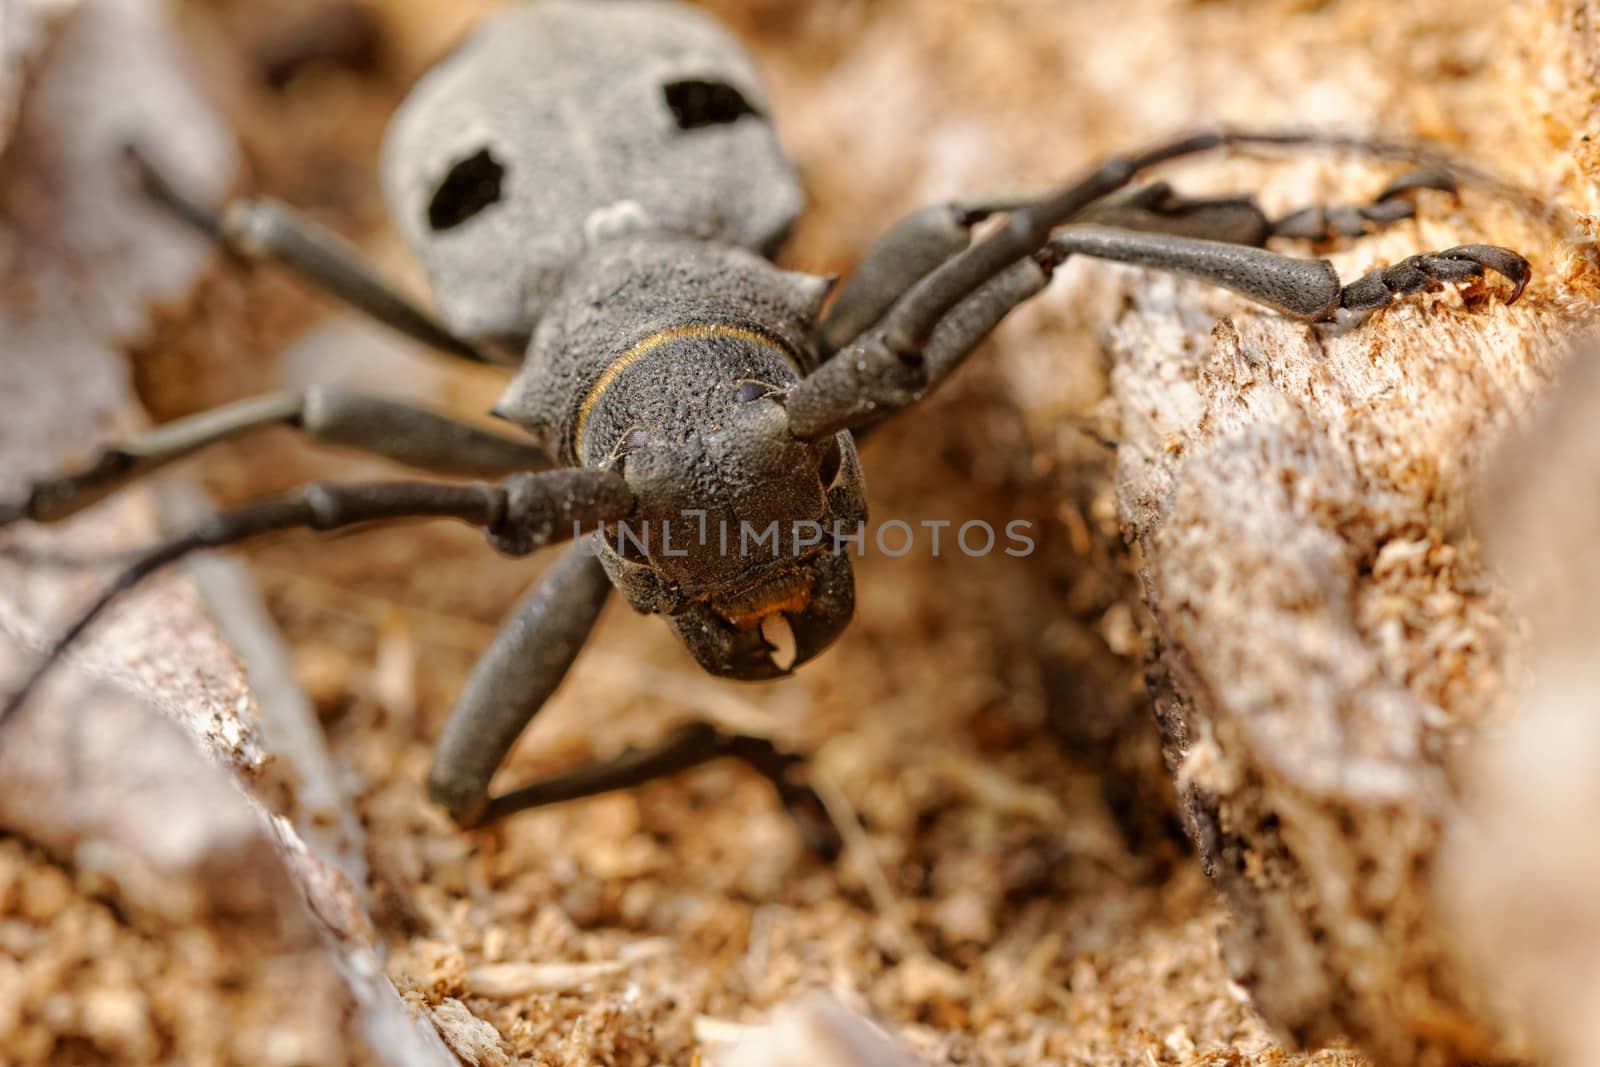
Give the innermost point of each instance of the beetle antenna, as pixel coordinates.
(1420, 154)
(144, 567)
(521, 514)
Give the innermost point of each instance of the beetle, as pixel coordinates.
(596, 192)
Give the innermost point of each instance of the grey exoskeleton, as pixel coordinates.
(596, 188)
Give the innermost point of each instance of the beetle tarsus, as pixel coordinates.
(1430, 271)
(1395, 202)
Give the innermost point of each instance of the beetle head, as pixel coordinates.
(735, 531)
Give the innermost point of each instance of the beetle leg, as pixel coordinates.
(1158, 208)
(1307, 289)
(895, 362)
(1396, 201)
(512, 680)
(394, 429)
(925, 239)
(911, 248)
(518, 673)
(912, 320)
(267, 231)
(1381, 287)
(688, 746)
(868, 382)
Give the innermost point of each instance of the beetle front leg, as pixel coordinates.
(520, 671)
(512, 680)
(905, 329)
(688, 746)
(1394, 202)
(906, 299)
(1307, 289)
(870, 380)
(1158, 208)
(924, 240)
(874, 378)
(910, 249)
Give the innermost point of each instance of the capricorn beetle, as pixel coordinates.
(595, 190)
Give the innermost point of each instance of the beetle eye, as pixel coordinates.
(631, 442)
(697, 102)
(832, 463)
(749, 391)
(473, 185)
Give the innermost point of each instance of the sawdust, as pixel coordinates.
(79, 984)
(1023, 893)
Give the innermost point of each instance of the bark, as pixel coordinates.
(195, 926)
(1330, 636)
(1328, 639)
(1521, 859)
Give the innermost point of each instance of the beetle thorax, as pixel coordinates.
(667, 360)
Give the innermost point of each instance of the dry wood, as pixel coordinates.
(1522, 858)
(1327, 639)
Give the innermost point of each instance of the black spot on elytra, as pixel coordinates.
(472, 186)
(698, 102)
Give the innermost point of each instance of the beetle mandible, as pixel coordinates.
(595, 190)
